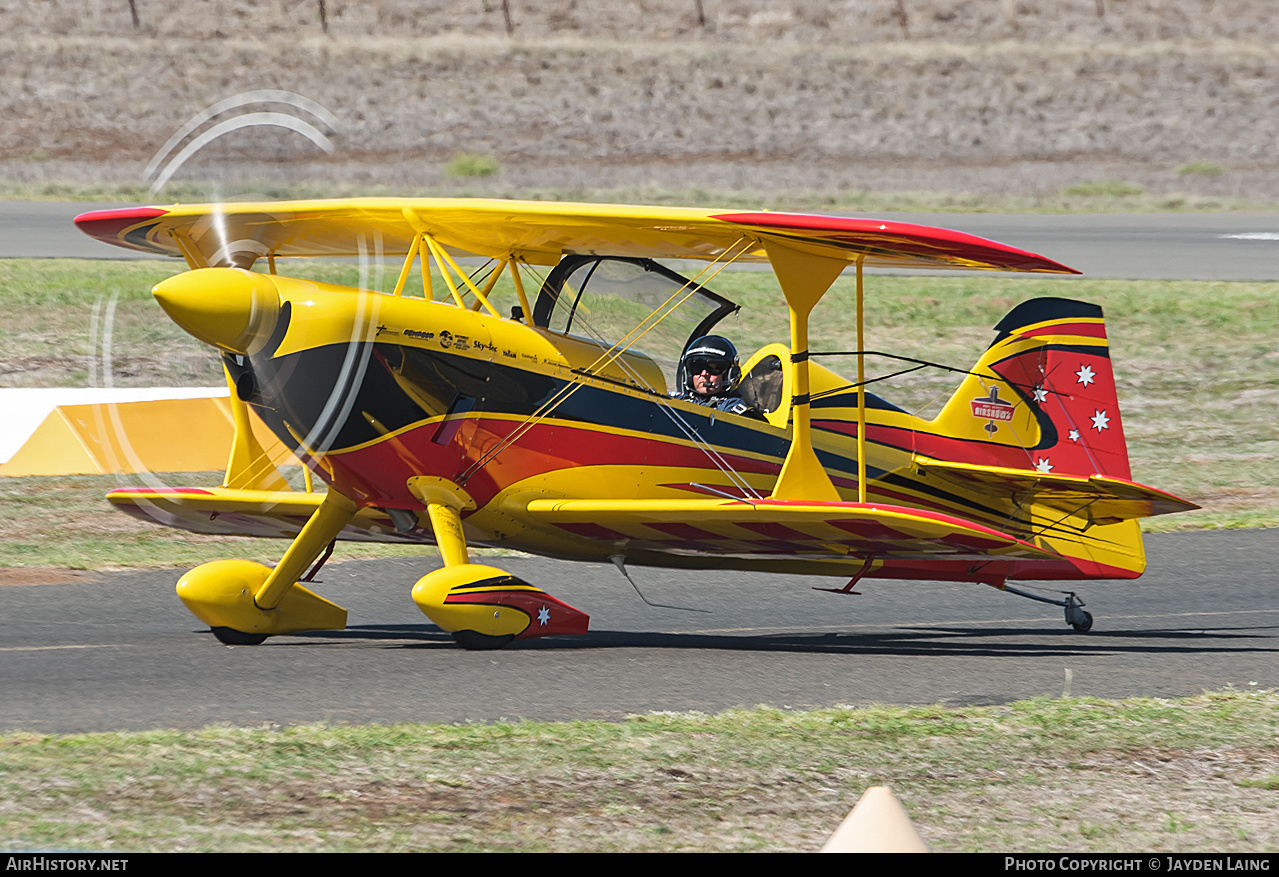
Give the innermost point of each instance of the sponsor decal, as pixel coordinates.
(991, 408)
(446, 339)
(417, 333)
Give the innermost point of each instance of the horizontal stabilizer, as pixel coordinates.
(767, 527)
(1099, 498)
(261, 513)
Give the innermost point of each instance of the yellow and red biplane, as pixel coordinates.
(435, 418)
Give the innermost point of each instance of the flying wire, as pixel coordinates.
(675, 416)
(612, 354)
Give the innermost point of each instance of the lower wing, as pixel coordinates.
(263, 513)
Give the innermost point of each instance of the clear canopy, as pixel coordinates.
(636, 303)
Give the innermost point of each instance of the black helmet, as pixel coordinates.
(714, 351)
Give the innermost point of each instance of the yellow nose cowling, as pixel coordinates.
(228, 308)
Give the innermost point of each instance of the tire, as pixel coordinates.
(480, 642)
(232, 637)
(1085, 625)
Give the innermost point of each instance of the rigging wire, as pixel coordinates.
(600, 363)
(614, 354)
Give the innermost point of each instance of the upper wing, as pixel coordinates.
(537, 232)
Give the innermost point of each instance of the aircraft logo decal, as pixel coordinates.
(991, 408)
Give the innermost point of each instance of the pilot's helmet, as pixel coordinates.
(715, 354)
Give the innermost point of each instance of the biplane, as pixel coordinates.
(434, 415)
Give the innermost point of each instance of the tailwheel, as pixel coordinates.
(232, 637)
(1076, 616)
(480, 642)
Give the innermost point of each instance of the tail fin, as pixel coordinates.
(1042, 397)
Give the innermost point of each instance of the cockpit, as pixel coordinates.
(650, 308)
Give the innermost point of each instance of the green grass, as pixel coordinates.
(1202, 169)
(468, 164)
(1069, 775)
(1103, 189)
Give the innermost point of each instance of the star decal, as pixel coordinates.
(1085, 375)
(1100, 421)
(543, 616)
(1041, 395)
(1074, 435)
(1043, 465)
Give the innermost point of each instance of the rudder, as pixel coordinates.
(1041, 397)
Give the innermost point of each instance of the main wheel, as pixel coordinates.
(1085, 624)
(480, 642)
(232, 637)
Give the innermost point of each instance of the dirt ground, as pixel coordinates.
(975, 98)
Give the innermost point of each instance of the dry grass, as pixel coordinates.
(1047, 775)
(964, 107)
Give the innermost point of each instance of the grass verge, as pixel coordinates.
(1067, 775)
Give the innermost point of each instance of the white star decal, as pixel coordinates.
(1041, 395)
(1085, 375)
(1100, 421)
(543, 616)
(1043, 465)
(1074, 435)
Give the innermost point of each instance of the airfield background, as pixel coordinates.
(1042, 103)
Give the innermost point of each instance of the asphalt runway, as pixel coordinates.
(122, 653)
(1187, 246)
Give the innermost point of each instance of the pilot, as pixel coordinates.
(709, 373)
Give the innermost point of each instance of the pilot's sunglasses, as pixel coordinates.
(712, 366)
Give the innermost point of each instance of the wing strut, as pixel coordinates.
(248, 466)
(804, 278)
(861, 386)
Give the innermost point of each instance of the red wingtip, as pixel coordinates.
(924, 242)
(109, 226)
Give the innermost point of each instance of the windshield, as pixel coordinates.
(606, 298)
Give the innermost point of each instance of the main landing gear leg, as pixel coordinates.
(1076, 616)
(245, 602)
(483, 607)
